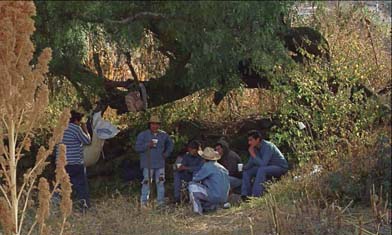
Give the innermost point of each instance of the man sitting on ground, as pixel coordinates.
(191, 162)
(230, 160)
(210, 186)
(265, 160)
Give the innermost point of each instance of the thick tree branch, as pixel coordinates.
(97, 64)
(130, 66)
(140, 16)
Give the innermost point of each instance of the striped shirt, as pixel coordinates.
(74, 139)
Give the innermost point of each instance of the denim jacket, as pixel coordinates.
(216, 178)
(157, 154)
(268, 154)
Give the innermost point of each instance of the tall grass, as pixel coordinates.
(23, 99)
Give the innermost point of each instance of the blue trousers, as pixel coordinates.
(158, 174)
(78, 177)
(234, 182)
(178, 177)
(260, 174)
(199, 198)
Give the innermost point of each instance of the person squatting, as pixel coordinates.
(207, 176)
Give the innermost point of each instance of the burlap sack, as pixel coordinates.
(134, 101)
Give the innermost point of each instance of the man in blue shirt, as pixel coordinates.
(210, 186)
(75, 136)
(190, 163)
(265, 160)
(153, 146)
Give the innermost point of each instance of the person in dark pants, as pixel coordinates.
(265, 160)
(186, 168)
(230, 160)
(75, 136)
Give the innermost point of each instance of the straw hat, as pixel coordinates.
(209, 154)
(154, 119)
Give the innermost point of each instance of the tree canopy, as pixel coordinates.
(203, 42)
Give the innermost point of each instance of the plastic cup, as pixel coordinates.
(240, 165)
(155, 142)
(301, 125)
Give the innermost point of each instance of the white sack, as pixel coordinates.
(92, 152)
(102, 130)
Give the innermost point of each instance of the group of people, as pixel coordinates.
(208, 175)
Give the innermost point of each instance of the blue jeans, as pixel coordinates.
(199, 198)
(178, 177)
(158, 174)
(234, 182)
(260, 174)
(78, 177)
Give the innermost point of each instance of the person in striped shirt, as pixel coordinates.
(75, 136)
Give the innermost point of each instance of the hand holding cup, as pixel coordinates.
(240, 166)
(178, 166)
(154, 143)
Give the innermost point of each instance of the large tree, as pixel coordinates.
(202, 41)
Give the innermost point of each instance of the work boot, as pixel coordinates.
(245, 198)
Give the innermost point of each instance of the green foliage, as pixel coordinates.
(217, 35)
(220, 34)
(330, 98)
(347, 130)
(179, 141)
(57, 28)
(329, 117)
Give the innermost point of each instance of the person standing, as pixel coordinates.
(153, 146)
(75, 136)
(265, 160)
(190, 163)
(210, 186)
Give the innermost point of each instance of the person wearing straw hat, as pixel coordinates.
(210, 185)
(153, 146)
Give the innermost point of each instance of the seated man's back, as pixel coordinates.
(215, 177)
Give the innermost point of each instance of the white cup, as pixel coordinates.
(155, 142)
(240, 165)
(301, 125)
(178, 165)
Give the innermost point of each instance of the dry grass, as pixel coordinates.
(121, 215)
(307, 206)
(23, 99)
